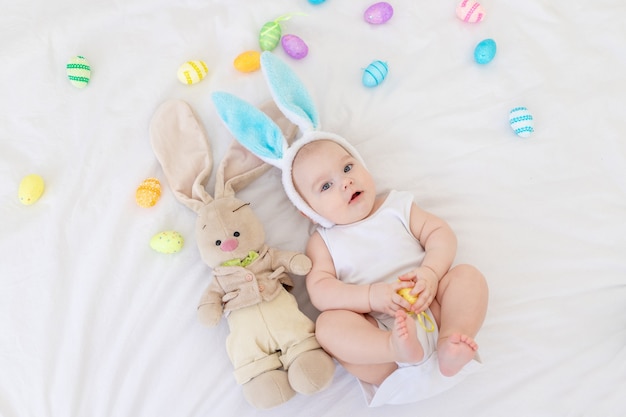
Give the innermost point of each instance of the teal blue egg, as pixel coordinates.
(485, 51)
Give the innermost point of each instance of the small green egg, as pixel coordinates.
(167, 242)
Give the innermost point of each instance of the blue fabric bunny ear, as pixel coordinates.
(289, 93)
(251, 127)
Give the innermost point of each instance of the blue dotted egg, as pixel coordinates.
(485, 51)
(521, 121)
(375, 73)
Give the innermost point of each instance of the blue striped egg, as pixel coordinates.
(521, 121)
(375, 73)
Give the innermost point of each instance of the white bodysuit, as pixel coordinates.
(380, 248)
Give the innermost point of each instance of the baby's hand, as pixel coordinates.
(425, 288)
(384, 297)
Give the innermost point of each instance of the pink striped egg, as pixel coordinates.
(470, 11)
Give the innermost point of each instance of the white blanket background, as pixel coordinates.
(93, 322)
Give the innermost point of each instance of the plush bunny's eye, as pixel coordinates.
(218, 242)
(236, 234)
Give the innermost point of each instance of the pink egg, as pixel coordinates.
(294, 46)
(378, 13)
(470, 11)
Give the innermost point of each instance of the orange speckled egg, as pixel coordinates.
(148, 192)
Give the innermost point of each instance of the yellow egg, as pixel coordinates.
(167, 242)
(406, 294)
(248, 61)
(31, 188)
(148, 192)
(192, 72)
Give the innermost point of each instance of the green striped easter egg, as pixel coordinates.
(78, 71)
(270, 35)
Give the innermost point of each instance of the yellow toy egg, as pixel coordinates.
(406, 294)
(192, 72)
(148, 192)
(248, 61)
(30, 189)
(78, 71)
(167, 242)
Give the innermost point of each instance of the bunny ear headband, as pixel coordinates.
(261, 136)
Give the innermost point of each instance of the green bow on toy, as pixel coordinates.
(252, 256)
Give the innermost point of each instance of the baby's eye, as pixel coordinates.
(325, 186)
(347, 168)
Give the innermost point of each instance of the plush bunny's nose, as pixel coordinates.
(229, 245)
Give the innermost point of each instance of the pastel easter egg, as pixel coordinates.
(148, 192)
(192, 72)
(269, 36)
(167, 242)
(294, 46)
(406, 294)
(521, 121)
(78, 71)
(248, 61)
(470, 11)
(378, 13)
(375, 73)
(30, 189)
(485, 51)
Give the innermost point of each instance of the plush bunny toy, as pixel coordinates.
(271, 344)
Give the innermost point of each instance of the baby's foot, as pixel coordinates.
(454, 352)
(404, 341)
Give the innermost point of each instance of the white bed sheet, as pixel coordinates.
(95, 323)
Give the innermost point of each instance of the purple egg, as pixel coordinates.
(294, 46)
(378, 13)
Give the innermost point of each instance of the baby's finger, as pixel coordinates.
(402, 302)
(409, 276)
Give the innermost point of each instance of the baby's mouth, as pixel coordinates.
(354, 196)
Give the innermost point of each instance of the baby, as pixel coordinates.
(366, 248)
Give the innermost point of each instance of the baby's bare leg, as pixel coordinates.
(461, 305)
(366, 351)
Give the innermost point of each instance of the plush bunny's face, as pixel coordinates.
(228, 229)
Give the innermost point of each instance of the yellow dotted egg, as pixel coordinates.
(30, 189)
(248, 61)
(406, 294)
(78, 71)
(167, 242)
(148, 192)
(192, 72)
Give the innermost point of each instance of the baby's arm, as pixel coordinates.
(439, 242)
(329, 293)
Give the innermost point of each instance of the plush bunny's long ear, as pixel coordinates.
(182, 148)
(289, 93)
(251, 127)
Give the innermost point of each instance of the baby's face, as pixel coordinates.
(333, 182)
